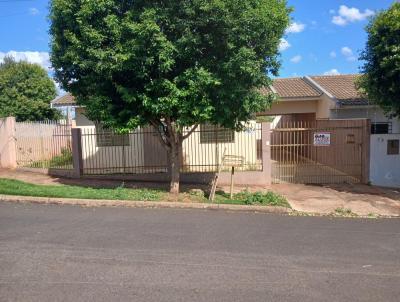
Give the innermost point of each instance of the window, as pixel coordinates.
(350, 139)
(107, 138)
(381, 128)
(393, 147)
(210, 134)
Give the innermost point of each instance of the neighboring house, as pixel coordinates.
(66, 104)
(327, 97)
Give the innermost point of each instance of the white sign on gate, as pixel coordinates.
(322, 139)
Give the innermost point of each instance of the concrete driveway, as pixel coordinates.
(65, 253)
(360, 199)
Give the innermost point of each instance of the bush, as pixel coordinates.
(260, 198)
(64, 159)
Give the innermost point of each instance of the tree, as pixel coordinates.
(26, 91)
(170, 64)
(381, 79)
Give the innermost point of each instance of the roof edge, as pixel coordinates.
(315, 85)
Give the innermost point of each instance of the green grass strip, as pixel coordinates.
(16, 187)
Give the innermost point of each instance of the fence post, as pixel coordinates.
(266, 151)
(8, 148)
(366, 146)
(76, 134)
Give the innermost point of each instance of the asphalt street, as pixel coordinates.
(67, 253)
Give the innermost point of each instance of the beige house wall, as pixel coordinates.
(115, 159)
(81, 119)
(324, 106)
(199, 155)
(260, 178)
(293, 106)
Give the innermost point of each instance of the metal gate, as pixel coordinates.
(320, 152)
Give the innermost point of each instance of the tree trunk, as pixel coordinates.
(172, 138)
(175, 159)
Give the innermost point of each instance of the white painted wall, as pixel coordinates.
(384, 169)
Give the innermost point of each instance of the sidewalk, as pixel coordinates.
(362, 200)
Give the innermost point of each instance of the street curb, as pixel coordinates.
(143, 204)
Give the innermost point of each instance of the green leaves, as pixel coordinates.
(190, 61)
(26, 92)
(381, 78)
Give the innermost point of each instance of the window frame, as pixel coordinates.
(212, 134)
(375, 126)
(108, 138)
(393, 147)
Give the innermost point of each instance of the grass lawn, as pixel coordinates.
(257, 198)
(16, 187)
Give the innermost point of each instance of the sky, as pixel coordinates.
(325, 36)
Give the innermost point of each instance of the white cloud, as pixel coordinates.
(332, 72)
(41, 58)
(284, 44)
(33, 11)
(333, 54)
(348, 15)
(339, 20)
(348, 53)
(295, 27)
(296, 59)
(332, 11)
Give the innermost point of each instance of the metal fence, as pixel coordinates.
(141, 152)
(44, 145)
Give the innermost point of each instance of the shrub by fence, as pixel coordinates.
(43, 145)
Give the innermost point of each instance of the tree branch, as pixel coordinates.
(163, 138)
(190, 132)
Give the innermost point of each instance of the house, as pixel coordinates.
(66, 104)
(303, 98)
(140, 151)
(319, 98)
(325, 100)
(327, 97)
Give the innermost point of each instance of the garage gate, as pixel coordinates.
(320, 152)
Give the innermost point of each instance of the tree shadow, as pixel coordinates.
(98, 183)
(361, 189)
